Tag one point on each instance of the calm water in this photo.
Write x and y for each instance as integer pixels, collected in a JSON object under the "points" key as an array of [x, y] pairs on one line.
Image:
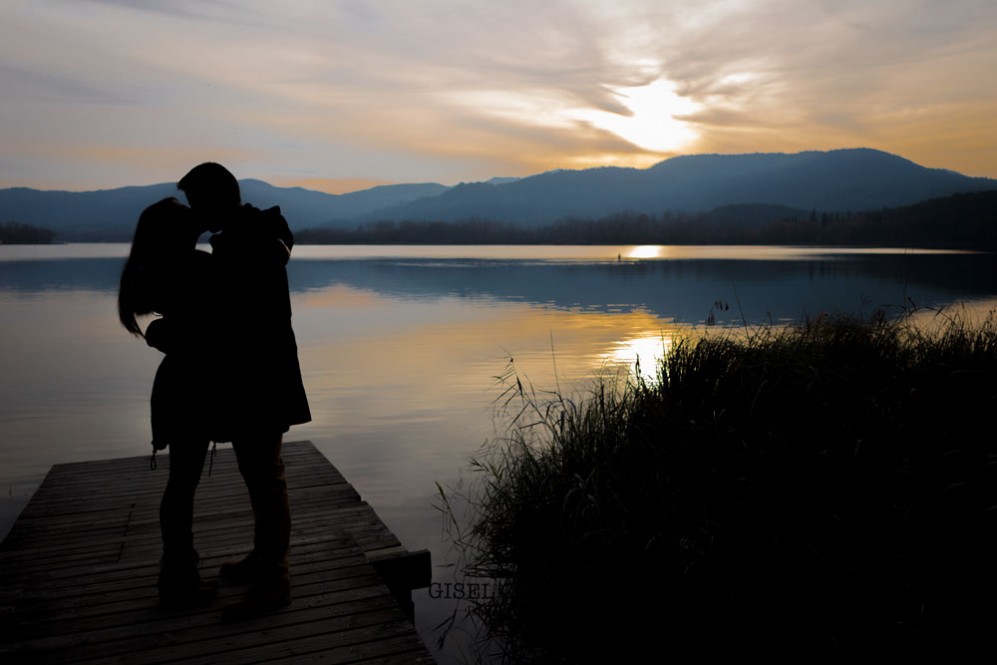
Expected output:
{"points": [[400, 346]]}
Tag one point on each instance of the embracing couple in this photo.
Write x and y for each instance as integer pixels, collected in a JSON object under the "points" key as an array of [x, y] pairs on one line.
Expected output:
{"points": [[230, 373]]}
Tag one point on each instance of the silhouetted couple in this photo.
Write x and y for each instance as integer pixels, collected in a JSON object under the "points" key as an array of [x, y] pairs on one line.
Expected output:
{"points": [[230, 373]]}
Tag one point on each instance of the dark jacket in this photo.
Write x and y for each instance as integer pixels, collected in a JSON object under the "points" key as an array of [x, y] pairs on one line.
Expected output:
{"points": [[185, 386], [256, 350]]}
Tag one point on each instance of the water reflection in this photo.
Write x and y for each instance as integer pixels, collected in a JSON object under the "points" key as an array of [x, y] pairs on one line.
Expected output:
{"points": [[682, 290], [400, 353], [682, 284]]}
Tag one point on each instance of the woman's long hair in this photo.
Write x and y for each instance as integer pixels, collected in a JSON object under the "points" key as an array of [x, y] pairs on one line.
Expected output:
{"points": [[164, 233]]}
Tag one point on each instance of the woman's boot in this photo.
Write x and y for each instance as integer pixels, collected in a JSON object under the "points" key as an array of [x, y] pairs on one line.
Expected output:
{"points": [[181, 586]]}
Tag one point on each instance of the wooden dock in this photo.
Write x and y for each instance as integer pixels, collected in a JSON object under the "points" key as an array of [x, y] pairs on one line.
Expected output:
{"points": [[78, 571]]}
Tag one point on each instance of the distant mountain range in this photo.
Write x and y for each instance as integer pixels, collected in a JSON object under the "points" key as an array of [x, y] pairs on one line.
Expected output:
{"points": [[840, 180], [112, 213], [852, 180]]}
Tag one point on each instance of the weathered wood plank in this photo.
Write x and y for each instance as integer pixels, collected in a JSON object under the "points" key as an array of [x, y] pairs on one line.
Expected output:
{"points": [[116, 641], [78, 571]]}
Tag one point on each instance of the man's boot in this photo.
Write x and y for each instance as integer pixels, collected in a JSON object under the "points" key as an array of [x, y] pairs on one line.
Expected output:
{"points": [[270, 592], [267, 567], [243, 571]]}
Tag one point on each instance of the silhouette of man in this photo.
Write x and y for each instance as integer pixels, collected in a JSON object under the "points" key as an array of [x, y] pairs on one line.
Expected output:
{"points": [[257, 361]]}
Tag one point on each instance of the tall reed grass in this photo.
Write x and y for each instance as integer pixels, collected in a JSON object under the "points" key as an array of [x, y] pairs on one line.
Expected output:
{"points": [[817, 493]]}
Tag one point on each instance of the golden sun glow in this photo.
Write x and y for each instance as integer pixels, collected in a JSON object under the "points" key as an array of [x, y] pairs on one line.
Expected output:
{"points": [[645, 252], [654, 122], [643, 354]]}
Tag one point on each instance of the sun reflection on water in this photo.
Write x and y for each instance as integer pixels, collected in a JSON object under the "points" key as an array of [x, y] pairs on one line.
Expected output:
{"points": [[645, 252], [641, 355]]}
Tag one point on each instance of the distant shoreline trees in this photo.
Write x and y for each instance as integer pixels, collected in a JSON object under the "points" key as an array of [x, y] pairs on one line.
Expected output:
{"points": [[15, 233], [958, 221]]}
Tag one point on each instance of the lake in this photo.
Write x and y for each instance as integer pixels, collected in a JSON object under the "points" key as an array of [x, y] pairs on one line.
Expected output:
{"points": [[401, 346]]}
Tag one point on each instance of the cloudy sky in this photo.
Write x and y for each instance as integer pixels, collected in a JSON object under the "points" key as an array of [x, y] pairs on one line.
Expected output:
{"points": [[343, 94]]}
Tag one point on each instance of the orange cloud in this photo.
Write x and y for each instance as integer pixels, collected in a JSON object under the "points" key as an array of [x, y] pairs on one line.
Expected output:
{"points": [[416, 92], [332, 185]]}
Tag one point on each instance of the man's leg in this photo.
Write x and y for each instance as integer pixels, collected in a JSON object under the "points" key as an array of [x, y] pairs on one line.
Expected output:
{"points": [[262, 469]]}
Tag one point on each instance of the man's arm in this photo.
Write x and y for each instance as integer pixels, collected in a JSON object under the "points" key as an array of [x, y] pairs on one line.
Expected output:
{"points": [[284, 235], [256, 236]]}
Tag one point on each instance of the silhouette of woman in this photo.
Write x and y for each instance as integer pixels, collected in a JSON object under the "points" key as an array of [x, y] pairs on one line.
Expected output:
{"points": [[165, 274]]}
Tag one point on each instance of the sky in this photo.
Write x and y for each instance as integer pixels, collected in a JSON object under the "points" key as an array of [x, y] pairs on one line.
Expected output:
{"points": [[339, 95]]}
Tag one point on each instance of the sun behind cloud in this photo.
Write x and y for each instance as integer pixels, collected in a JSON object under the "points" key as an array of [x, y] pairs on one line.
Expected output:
{"points": [[654, 122], [444, 91]]}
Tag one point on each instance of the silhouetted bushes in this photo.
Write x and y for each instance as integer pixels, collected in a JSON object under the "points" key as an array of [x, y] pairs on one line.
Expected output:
{"points": [[823, 493]]}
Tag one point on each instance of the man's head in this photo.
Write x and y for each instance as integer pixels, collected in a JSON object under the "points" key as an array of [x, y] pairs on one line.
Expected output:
{"points": [[212, 193]]}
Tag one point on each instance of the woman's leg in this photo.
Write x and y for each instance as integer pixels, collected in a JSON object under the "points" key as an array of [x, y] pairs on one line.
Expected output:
{"points": [[176, 510], [179, 580]]}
